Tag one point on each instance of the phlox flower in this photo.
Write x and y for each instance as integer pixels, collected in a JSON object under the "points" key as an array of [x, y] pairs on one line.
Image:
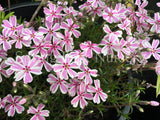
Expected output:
{"points": [[4, 39], [79, 57], [44, 63], [57, 82], [140, 4], [142, 26], [14, 104], [18, 38], [74, 86], [81, 96], [95, 3], [66, 40], [64, 65], [110, 15], [53, 12], [3, 54], [39, 48], [23, 68], [143, 15], [31, 34], [3, 102], [3, 71], [11, 25], [95, 11], [157, 68], [158, 4], [39, 113], [87, 47], [71, 26], [155, 22], [86, 5], [1, 8], [50, 31], [121, 10], [86, 74], [70, 11], [99, 94], [152, 50]]}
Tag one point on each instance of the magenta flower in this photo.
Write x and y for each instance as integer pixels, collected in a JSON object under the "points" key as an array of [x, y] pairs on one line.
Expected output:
{"points": [[4, 39], [64, 66], [50, 31], [57, 82], [98, 92], [95, 3], [71, 27], [152, 50], [79, 57], [110, 15], [66, 40], [14, 105], [86, 74], [74, 86], [53, 12], [31, 34], [3, 71], [81, 96], [11, 25], [88, 47], [155, 22], [24, 68], [39, 113], [3, 102], [158, 4]]}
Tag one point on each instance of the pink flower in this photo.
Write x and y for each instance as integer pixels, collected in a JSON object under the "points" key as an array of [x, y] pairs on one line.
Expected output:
{"points": [[70, 11], [74, 86], [157, 68], [3, 102], [110, 15], [18, 37], [86, 74], [53, 12], [14, 105], [155, 22], [152, 50], [64, 66], [95, 3], [141, 5], [86, 5], [24, 68], [39, 113], [31, 34], [1, 8], [153, 103], [158, 4], [79, 57], [57, 82], [95, 11], [98, 92], [71, 27], [81, 96], [88, 47], [4, 39], [39, 48], [143, 15], [3, 71], [66, 40], [11, 25], [50, 31]]}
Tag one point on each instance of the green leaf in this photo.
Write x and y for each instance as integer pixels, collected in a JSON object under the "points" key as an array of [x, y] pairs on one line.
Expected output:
{"points": [[8, 15], [158, 86]]}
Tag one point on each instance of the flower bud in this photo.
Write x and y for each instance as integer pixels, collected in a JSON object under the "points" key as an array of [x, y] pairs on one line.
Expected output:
{"points": [[154, 103]]}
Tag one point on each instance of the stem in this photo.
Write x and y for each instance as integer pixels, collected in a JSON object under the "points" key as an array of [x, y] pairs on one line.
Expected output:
{"points": [[9, 6]]}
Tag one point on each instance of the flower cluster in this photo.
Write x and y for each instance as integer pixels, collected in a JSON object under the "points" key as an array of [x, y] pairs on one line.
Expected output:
{"points": [[71, 71]]}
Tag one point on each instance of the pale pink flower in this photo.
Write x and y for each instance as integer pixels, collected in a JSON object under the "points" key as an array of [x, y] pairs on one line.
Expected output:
{"points": [[81, 96], [87, 47], [14, 105], [50, 31], [11, 25], [86, 74], [95, 3], [39, 113], [99, 94], [121, 10], [157, 68], [79, 57], [95, 11], [25, 67], [71, 26], [39, 48], [57, 83], [31, 34], [141, 5], [70, 11], [86, 5], [3, 71], [155, 22], [53, 12], [3, 102], [54, 48], [1, 8], [64, 65], [158, 4], [3, 53], [152, 50], [66, 40], [18, 38], [44, 63], [142, 26], [4, 39], [143, 15], [74, 86], [110, 15]]}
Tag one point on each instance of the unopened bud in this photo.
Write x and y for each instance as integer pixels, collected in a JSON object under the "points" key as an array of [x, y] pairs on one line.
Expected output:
{"points": [[14, 84], [154, 103], [22, 101]]}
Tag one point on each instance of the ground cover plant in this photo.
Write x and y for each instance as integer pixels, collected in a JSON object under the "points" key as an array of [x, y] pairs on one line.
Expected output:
{"points": [[78, 63]]}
